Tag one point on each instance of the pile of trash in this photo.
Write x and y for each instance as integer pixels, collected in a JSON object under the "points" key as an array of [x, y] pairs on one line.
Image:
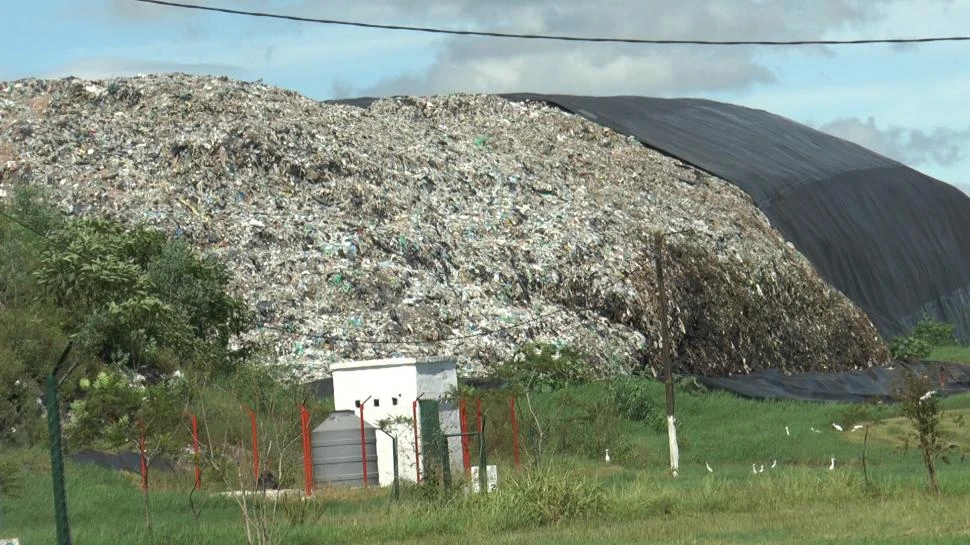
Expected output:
{"points": [[458, 225]]}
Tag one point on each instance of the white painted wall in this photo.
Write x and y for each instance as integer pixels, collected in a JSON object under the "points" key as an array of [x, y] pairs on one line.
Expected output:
{"points": [[402, 380]]}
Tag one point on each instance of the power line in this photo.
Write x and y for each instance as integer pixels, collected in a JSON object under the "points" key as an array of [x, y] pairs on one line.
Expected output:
{"points": [[562, 38], [44, 237]]}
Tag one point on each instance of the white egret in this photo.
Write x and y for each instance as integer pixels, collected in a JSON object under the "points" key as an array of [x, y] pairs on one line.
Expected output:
{"points": [[836, 426], [774, 464], [708, 466], [927, 395], [857, 427], [832, 465], [607, 456], [788, 433]]}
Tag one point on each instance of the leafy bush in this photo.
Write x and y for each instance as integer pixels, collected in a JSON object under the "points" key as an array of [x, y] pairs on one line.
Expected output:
{"points": [[933, 332], [545, 368], [129, 298], [921, 407], [115, 409], [136, 298], [921, 340]]}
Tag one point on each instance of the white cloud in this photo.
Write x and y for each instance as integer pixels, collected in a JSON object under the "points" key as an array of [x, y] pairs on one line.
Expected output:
{"points": [[494, 65], [939, 146]]}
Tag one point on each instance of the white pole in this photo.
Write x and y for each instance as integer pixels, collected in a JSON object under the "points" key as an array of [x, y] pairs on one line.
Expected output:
{"points": [[674, 451]]}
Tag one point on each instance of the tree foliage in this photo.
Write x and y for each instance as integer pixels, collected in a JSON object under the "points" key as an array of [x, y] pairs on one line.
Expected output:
{"points": [[545, 368], [133, 301]]}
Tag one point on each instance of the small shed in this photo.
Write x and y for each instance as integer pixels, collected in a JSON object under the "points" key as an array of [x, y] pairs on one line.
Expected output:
{"points": [[388, 388]]}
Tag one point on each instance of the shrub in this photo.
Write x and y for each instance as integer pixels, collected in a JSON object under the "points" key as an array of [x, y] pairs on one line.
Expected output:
{"points": [[920, 341], [548, 496], [545, 368], [921, 408], [115, 409], [631, 398], [909, 347], [933, 332]]}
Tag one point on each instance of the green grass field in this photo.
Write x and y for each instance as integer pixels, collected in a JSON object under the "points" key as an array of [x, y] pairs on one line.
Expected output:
{"points": [[799, 501], [958, 354]]}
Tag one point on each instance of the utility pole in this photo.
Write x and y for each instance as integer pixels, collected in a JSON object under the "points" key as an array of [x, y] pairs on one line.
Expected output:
{"points": [[665, 348]]}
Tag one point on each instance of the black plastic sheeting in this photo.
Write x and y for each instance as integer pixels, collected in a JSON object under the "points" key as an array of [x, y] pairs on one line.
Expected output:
{"points": [[874, 384], [895, 241]]}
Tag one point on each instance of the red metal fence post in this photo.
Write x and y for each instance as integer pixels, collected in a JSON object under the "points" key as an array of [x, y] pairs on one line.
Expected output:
{"points": [[195, 451], [252, 423], [515, 431], [463, 423], [141, 453], [417, 458]]}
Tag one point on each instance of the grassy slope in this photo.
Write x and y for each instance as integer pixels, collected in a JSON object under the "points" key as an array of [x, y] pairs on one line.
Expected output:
{"points": [[958, 354], [798, 502]]}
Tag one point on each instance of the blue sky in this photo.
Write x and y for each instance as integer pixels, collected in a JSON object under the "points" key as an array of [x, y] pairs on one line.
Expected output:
{"points": [[906, 102]]}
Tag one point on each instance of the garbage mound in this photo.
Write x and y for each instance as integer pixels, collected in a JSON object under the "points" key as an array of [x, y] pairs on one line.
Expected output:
{"points": [[462, 225]]}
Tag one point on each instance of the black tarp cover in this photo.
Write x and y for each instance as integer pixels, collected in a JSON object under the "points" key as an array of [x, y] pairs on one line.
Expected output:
{"points": [[874, 384], [893, 240]]}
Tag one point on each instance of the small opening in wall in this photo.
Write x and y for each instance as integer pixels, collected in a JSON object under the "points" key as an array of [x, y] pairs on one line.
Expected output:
{"points": [[377, 402], [393, 401], [357, 403]]}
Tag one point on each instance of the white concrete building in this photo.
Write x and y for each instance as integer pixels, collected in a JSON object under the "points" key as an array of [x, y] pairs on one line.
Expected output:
{"points": [[388, 388]]}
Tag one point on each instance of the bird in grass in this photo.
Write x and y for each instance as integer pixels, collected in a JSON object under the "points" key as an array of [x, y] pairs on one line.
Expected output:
{"points": [[788, 433], [774, 464], [857, 427], [814, 430], [754, 469], [832, 465], [708, 466], [836, 426], [761, 468], [607, 458], [927, 395]]}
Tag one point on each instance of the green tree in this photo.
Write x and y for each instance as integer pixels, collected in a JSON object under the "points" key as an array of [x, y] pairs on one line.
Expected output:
{"points": [[130, 298], [137, 299]]}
